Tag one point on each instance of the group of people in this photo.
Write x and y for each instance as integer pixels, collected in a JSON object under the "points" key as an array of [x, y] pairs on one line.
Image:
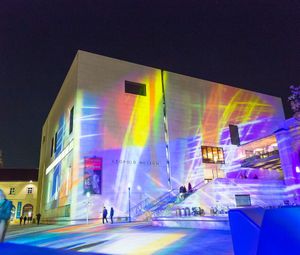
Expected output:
{"points": [[183, 191], [29, 219], [111, 215], [5, 215], [245, 175]]}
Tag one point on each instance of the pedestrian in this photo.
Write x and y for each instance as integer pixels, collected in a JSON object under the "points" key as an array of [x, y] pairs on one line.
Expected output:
{"points": [[111, 215], [181, 189], [25, 219], [21, 219], [181, 192], [190, 189], [104, 215], [38, 218], [5, 214]]}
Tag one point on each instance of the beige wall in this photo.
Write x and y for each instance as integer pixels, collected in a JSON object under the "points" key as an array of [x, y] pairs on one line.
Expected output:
{"points": [[21, 194], [57, 121]]}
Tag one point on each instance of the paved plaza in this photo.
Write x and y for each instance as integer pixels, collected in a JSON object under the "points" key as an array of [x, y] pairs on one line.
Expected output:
{"points": [[120, 238]]}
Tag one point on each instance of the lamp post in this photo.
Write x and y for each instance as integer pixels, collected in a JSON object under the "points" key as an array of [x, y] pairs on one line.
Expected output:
{"points": [[216, 160], [87, 206], [129, 216]]}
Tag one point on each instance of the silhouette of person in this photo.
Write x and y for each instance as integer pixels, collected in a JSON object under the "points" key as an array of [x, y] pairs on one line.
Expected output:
{"points": [[111, 215], [38, 218], [25, 219], [104, 215], [181, 189], [21, 219], [5, 214], [190, 189]]}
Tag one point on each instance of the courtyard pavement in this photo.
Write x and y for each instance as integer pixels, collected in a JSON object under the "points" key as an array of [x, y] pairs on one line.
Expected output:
{"points": [[121, 238]]}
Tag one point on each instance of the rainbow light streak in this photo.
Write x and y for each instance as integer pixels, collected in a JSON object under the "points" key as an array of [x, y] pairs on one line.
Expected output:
{"points": [[134, 142], [127, 132], [117, 133], [205, 119]]}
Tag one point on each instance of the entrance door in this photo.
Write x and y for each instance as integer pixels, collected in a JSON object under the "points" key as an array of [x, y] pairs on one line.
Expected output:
{"points": [[28, 210]]}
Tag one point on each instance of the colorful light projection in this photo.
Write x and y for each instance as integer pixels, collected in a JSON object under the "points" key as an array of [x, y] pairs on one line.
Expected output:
{"points": [[199, 113], [221, 193], [126, 132], [58, 174]]}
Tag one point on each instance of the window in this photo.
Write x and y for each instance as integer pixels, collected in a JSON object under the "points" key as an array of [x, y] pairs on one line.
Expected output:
{"points": [[12, 191], [71, 120], [135, 88], [52, 143], [234, 134], [212, 155], [243, 200], [55, 142], [29, 190]]}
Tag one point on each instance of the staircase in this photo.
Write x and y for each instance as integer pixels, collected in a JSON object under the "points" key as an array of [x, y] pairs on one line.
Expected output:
{"points": [[221, 193], [163, 205]]}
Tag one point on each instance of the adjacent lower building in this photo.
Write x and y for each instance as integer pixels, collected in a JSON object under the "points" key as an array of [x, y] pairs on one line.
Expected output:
{"points": [[120, 133], [20, 186]]}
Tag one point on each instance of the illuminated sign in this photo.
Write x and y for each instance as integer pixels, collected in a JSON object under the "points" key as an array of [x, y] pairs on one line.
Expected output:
{"points": [[93, 175]]}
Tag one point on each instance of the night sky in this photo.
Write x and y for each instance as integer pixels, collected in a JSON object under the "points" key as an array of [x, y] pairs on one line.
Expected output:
{"points": [[248, 44]]}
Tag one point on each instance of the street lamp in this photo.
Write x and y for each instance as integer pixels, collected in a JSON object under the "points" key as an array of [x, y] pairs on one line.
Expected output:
{"points": [[129, 216], [88, 194], [216, 160]]}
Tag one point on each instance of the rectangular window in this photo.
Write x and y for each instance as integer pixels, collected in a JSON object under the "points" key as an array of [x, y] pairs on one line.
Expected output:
{"points": [[135, 88], [71, 120], [12, 191], [212, 155], [55, 142], [52, 143], [242, 200], [234, 134], [29, 190]]}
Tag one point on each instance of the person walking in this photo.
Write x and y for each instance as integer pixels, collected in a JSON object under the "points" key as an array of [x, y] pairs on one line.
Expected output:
{"points": [[21, 219], [104, 215], [38, 218], [111, 215], [25, 219], [5, 214], [190, 189]]}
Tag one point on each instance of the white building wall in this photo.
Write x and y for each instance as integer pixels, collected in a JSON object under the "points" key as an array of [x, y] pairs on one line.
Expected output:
{"points": [[199, 113], [126, 133]]}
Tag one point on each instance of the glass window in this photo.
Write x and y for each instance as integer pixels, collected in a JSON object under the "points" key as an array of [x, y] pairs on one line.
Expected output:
{"points": [[135, 88], [12, 191], [52, 143], [55, 142], [212, 155], [71, 120], [29, 190]]}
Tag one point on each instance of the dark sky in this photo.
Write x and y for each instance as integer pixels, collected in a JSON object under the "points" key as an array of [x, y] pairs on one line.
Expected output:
{"points": [[248, 44]]}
